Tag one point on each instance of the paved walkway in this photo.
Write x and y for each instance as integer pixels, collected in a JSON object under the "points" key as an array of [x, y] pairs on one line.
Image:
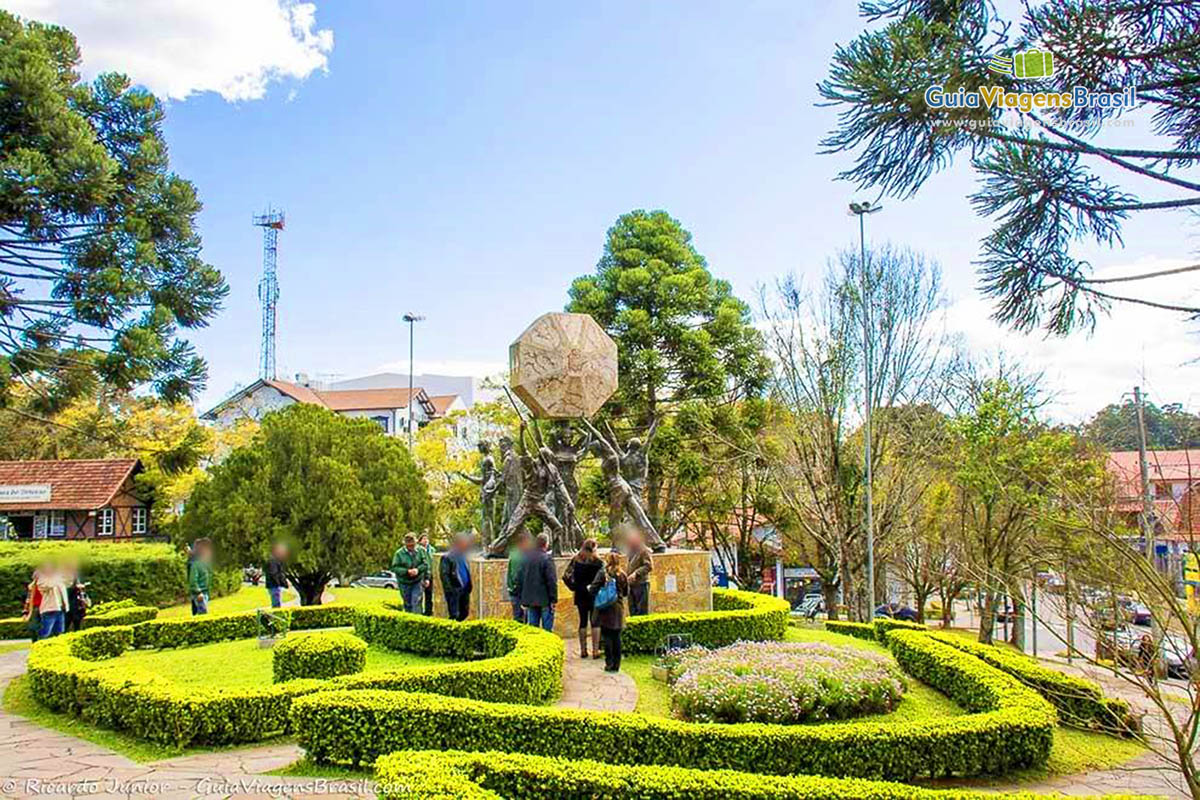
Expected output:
{"points": [[587, 685]]}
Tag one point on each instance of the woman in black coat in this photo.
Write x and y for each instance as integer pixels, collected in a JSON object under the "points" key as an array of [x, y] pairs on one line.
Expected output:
{"points": [[611, 618], [578, 577]]}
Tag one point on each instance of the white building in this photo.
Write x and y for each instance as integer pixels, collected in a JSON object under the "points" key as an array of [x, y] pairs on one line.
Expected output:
{"points": [[387, 407]]}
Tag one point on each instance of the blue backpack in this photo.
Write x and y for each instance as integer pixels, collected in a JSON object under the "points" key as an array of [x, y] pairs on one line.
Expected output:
{"points": [[607, 595]]}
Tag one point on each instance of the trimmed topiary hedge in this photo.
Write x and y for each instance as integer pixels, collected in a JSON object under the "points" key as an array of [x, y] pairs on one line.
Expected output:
{"points": [[71, 673], [1080, 702], [122, 614], [209, 628], [736, 616], [509, 776], [884, 625], [1011, 729], [318, 655], [859, 630]]}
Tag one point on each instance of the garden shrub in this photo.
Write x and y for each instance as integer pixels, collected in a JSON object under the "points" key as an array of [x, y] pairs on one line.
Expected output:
{"points": [[520, 663], [883, 625], [510, 776], [122, 612], [782, 682], [70, 673], [150, 574], [736, 616], [318, 655], [1011, 729], [1081, 703], [859, 630]]}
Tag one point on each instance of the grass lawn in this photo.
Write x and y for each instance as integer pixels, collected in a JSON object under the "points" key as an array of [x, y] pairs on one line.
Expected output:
{"points": [[243, 663], [248, 599]]}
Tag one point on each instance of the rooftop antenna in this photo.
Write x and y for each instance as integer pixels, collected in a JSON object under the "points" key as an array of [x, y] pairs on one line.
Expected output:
{"points": [[268, 289]]}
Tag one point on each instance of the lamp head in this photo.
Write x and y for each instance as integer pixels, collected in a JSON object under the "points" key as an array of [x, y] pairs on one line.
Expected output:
{"points": [[865, 207], [411, 317]]}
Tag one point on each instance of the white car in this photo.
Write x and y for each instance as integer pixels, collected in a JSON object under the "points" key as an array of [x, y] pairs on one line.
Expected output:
{"points": [[384, 579]]}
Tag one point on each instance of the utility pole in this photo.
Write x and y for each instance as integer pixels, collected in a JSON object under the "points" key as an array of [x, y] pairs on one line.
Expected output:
{"points": [[411, 319], [1147, 515], [861, 210]]}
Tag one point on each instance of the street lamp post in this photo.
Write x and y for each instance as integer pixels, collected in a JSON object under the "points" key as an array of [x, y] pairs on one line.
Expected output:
{"points": [[861, 210], [411, 319]]}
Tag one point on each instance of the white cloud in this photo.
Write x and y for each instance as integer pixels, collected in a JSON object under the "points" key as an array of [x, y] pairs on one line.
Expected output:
{"points": [[177, 48], [1133, 345]]}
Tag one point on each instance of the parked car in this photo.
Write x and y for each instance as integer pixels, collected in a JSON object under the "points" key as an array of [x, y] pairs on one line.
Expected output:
{"points": [[896, 611], [384, 579], [1178, 658], [1140, 614], [809, 606]]}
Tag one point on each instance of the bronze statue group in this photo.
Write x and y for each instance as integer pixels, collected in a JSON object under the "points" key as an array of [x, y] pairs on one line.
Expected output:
{"points": [[539, 482]]}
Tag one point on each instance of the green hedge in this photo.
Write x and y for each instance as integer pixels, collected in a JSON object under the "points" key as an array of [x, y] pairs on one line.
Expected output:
{"points": [[736, 616], [1080, 702], [209, 628], [1011, 728], [71, 673], [859, 630], [508, 776], [125, 614], [521, 664], [318, 655], [884, 625], [150, 574]]}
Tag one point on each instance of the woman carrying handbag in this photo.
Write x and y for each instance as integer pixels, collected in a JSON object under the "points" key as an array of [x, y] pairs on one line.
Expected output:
{"points": [[609, 587]]}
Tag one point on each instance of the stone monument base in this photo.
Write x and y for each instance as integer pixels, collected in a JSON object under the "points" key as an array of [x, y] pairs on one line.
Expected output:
{"points": [[681, 581]]}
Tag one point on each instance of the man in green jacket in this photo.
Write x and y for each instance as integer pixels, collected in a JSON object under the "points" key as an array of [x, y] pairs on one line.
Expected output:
{"points": [[516, 560], [411, 566], [200, 575]]}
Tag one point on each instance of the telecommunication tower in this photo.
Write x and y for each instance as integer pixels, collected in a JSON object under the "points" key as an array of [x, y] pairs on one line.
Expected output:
{"points": [[268, 289]]}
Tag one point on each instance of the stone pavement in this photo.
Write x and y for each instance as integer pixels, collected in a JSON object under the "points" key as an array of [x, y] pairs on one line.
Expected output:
{"points": [[587, 685]]}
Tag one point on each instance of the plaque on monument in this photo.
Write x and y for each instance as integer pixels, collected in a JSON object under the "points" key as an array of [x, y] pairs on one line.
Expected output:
{"points": [[564, 366]]}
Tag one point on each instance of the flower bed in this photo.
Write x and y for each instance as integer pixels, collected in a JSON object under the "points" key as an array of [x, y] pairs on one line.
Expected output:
{"points": [[1011, 728], [494, 775], [782, 682], [74, 673]]}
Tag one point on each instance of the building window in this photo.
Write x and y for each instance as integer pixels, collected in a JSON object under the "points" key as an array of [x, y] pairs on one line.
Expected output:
{"points": [[104, 522], [140, 521], [383, 423], [58, 524]]}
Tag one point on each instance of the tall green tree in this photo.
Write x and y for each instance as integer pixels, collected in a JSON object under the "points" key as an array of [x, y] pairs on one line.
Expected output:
{"points": [[340, 491], [1170, 427], [99, 255], [681, 333], [1057, 177]]}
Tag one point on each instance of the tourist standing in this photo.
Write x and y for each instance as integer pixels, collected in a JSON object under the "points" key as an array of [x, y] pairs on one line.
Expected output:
{"points": [[537, 585], [77, 598], [411, 570], [54, 603], [512, 578], [455, 573], [578, 577], [33, 610], [610, 611], [424, 546], [200, 575], [276, 573], [640, 567]]}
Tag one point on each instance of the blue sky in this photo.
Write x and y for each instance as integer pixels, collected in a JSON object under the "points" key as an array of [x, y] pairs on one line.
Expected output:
{"points": [[464, 159]]}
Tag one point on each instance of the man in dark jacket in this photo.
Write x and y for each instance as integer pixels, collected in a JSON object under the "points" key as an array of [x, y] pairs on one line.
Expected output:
{"points": [[640, 567], [275, 575], [455, 573], [537, 585], [512, 576]]}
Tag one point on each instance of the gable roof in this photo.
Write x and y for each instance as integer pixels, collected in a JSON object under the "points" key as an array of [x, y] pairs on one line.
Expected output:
{"points": [[339, 400], [74, 485], [441, 403]]}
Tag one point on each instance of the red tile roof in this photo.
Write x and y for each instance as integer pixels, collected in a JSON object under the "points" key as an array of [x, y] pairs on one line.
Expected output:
{"points": [[74, 485], [1176, 518], [363, 399], [441, 403], [301, 394]]}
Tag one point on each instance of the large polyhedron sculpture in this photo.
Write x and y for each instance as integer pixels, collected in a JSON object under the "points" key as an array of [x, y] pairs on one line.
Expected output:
{"points": [[564, 366]]}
